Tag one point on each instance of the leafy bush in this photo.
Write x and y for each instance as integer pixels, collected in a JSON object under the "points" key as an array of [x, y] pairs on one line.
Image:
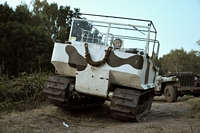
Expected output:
{"points": [[22, 93]]}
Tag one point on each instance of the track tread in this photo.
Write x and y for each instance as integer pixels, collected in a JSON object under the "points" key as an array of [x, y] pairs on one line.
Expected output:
{"points": [[57, 90], [129, 105]]}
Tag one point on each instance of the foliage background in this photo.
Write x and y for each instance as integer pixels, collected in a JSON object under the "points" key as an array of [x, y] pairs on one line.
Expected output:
{"points": [[26, 45], [27, 37], [179, 60]]}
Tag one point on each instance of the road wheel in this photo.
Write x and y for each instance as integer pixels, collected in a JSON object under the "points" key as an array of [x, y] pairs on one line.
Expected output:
{"points": [[197, 94], [170, 94]]}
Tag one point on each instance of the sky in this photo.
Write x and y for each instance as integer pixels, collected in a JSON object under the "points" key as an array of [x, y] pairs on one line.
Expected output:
{"points": [[177, 21]]}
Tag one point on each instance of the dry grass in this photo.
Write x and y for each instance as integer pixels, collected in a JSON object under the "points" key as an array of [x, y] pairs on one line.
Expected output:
{"points": [[48, 118], [195, 102], [37, 120]]}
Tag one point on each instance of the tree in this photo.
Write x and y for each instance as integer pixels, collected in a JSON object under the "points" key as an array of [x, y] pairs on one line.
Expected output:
{"points": [[198, 42], [63, 22], [51, 14], [194, 61], [24, 46], [179, 60], [27, 37]]}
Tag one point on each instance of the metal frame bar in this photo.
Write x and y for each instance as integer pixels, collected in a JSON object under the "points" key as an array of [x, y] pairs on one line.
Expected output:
{"points": [[149, 31], [150, 22], [143, 20]]}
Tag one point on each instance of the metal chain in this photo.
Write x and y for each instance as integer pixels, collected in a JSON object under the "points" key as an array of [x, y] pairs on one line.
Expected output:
{"points": [[96, 63]]}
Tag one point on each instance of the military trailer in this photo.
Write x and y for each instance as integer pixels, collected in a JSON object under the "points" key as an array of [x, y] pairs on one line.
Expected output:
{"points": [[106, 58], [177, 84]]}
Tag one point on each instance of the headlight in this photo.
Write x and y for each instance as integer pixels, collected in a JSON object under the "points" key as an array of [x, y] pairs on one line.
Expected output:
{"points": [[117, 43]]}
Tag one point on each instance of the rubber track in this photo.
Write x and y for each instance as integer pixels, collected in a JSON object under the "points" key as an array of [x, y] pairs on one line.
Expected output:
{"points": [[57, 91], [130, 105]]}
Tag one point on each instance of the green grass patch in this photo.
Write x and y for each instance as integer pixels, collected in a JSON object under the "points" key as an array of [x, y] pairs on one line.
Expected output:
{"points": [[21, 93]]}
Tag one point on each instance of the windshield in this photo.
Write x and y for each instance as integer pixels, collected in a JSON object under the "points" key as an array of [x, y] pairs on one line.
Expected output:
{"points": [[104, 33]]}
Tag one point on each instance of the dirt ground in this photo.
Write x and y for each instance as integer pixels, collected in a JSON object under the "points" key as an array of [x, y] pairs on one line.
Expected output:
{"points": [[163, 118]]}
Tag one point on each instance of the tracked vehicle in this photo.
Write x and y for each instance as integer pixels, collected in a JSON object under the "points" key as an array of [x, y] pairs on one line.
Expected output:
{"points": [[106, 58]]}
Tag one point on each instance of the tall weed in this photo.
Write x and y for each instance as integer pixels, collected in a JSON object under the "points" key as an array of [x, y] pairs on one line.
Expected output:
{"points": [[22, 93]]}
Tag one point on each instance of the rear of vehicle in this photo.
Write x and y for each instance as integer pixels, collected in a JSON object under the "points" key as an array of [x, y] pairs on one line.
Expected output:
{"points": [[106, 60]]}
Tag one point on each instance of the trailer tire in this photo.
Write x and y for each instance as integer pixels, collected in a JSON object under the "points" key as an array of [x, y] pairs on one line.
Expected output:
{"points": [[170, 94]]}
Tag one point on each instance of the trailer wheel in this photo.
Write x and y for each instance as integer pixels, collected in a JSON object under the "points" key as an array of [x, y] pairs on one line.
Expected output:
{"points": [[170, 94]]}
